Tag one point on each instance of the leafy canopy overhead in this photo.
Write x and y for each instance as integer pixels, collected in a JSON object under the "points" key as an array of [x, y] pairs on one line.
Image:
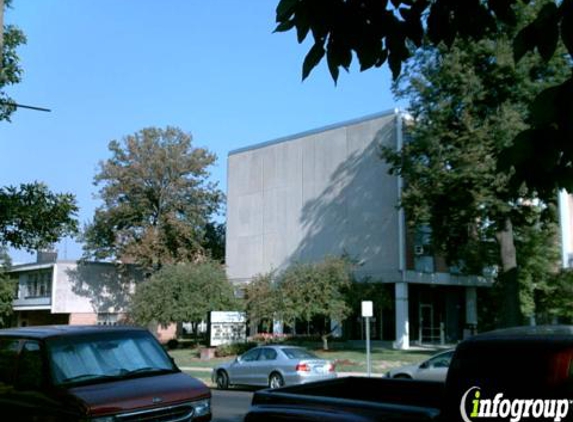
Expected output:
{"points": [[32, 217], [380, 31], [157, 200], [10, 69]]}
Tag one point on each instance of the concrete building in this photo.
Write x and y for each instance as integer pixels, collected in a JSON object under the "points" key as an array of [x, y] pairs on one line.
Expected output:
{"points": [[52, 291], [327, 192]]}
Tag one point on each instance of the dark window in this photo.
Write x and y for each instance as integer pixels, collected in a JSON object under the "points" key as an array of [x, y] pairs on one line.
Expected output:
{"points": [[296, 353], [8, 355], [30, 367], [268, 354], [251, 355]]}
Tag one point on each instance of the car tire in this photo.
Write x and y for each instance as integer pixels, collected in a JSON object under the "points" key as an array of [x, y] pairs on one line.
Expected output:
{"points": [[222, 380], [276, 380]]}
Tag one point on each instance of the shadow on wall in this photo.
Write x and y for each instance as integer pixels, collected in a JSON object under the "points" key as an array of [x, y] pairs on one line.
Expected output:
{"points": [[356, 213], [108, 286]]}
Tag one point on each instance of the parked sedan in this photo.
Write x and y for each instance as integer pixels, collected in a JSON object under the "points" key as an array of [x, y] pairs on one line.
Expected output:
{"points": [[433, 369], [273, 366]]}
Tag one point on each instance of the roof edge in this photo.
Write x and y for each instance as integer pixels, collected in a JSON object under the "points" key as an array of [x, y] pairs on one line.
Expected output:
{"points": [[315, 131]]}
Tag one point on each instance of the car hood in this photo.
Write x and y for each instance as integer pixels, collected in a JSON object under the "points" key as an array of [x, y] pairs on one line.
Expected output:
{"points": [[406, 369], [139, 393]]}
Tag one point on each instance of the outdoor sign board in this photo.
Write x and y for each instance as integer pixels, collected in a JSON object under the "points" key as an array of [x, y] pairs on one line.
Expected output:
{"points": [[227, 327]]}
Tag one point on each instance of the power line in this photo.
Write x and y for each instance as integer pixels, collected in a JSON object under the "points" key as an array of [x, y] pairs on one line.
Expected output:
{"points": [[25, 106]]}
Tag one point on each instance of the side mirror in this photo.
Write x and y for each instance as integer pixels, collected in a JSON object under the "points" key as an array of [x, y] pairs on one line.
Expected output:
{"points": [[425, 365], [238, 359]]}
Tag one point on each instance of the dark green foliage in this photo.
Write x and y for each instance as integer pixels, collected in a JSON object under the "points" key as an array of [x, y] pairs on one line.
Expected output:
{"points": [[214, 240], [158, 201], [307, 290], [234, 349], [468, 103], [376, 32], [32, 217], [7, 290], [10, 70], [183, 293]]}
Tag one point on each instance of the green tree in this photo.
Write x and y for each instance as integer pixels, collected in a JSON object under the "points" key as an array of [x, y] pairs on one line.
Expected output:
{"points": [[308, 290], [376, 32], [10, 69], [262, 300], [7, 290], [32, 217], [214, 240], [469, 102], [554, 302], [183, 293], [157, 200]]}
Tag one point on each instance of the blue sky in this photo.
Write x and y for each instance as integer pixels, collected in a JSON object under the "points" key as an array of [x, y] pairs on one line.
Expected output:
{"points": [[108, 68]]}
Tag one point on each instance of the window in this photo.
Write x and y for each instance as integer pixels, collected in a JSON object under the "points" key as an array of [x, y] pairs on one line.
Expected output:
{"points": [[30, 367], [296, 353], [38, 284], [107, 319], [8, 356], [251, 355], [268, 354], [97, 357]]}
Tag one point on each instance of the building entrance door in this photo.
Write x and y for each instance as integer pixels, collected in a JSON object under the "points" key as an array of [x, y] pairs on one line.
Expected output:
{"points": [[429, 326]]}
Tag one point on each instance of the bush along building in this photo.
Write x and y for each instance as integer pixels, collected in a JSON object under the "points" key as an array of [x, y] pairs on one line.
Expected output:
{"points": [[328, 192]]}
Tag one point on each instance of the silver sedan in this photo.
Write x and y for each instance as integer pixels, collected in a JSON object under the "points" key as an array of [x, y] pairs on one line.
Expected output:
{"points": [[273, 367], [433, 369]]}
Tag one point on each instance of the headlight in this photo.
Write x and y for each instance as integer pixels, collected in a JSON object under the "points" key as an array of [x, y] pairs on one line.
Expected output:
{"points": [[202, 407]]}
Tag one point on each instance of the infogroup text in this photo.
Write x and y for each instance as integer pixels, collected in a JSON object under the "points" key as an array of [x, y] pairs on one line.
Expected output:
{"points": [[512, 409]]}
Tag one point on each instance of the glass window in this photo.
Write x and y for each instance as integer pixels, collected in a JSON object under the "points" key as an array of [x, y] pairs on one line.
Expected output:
{"points": [[30, 367], [107, 319], [268, 354], [297, 353], [251, 355], [99, 356], [8, 356], [442, 361]]}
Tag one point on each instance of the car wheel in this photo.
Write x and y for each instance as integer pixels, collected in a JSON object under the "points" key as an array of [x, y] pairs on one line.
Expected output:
{"points": [[403, 376], [276, 380], [222, 380]]}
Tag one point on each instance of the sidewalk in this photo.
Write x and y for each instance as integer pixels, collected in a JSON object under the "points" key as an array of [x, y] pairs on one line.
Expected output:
{"points": [[340, 374]]}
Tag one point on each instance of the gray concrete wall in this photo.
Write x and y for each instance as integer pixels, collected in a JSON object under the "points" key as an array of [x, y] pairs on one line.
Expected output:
{"points": [[304, 197], [91, 287]]}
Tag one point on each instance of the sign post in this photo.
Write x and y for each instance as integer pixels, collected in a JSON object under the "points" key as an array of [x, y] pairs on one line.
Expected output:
{"points": [[367, 314]]}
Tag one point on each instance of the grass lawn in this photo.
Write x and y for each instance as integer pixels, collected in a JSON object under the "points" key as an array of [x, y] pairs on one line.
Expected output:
{"points": [[347, 358]]}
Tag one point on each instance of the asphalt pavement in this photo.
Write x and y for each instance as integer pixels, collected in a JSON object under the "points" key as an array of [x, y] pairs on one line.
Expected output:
{"points": [[230, 405]]}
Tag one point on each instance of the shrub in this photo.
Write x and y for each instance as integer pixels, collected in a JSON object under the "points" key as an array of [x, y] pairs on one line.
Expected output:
{"points": [[234, 349]]}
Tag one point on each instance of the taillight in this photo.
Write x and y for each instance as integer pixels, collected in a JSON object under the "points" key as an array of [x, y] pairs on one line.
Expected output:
{"points": [[331, 367], [302, 367]]}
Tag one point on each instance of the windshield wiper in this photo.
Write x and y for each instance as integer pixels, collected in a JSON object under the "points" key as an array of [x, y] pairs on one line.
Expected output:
{"points": [[86, 377], [149, 369]]}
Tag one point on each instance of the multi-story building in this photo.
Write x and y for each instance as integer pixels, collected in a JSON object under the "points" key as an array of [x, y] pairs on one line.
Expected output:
{"points": [[52, 291], [328, 192]]}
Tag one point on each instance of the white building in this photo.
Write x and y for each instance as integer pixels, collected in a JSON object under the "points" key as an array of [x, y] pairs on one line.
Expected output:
{"points": [[328, 192]]}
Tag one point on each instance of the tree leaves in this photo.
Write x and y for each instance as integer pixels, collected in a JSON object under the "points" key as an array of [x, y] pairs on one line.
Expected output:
{"points": [[33, 217], [157, 200]]}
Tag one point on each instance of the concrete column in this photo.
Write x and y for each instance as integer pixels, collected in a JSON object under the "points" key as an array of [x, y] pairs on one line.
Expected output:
{"points": [[471, 306], [402, 322], [565, 223], [278, 326]]}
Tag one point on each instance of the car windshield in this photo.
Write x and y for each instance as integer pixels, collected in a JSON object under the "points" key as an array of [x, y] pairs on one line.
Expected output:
{"points": [[99, 357], [294, 353]]}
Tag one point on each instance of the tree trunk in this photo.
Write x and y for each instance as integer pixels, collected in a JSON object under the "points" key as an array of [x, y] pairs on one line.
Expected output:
{"points": [[508, 279]]}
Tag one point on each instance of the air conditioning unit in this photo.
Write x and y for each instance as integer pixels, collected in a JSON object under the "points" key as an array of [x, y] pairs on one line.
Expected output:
{"points": [[418, 250]]}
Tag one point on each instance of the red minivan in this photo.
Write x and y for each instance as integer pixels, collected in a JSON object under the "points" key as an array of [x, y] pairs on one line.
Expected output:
{"points": [[94, 374]]}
